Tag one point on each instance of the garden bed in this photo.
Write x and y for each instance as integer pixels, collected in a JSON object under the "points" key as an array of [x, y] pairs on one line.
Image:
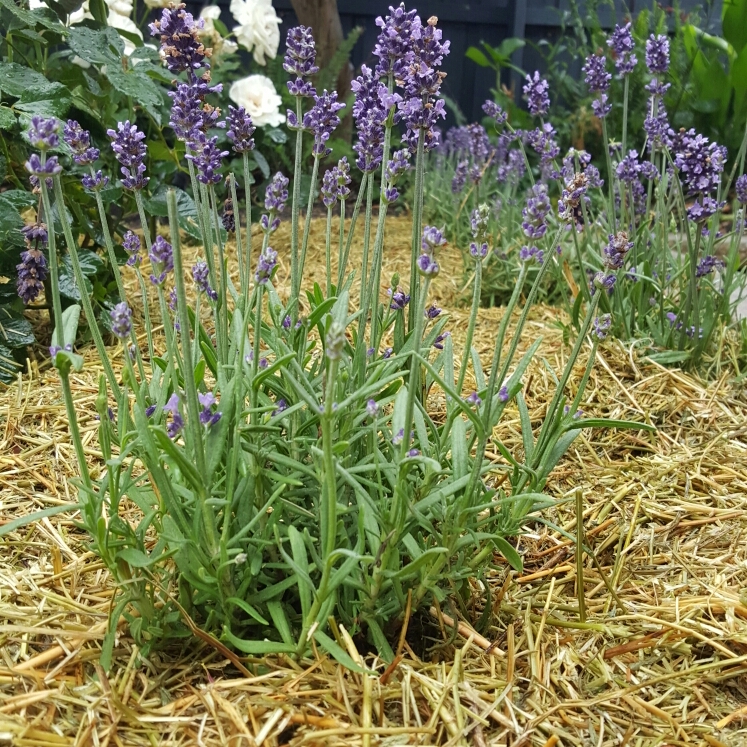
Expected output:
{"points": [[664, 514]]}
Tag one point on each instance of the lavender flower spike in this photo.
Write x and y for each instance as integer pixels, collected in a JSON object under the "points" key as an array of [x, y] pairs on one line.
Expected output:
{"points": [[43, 133], [129, 149], [180, 42], [240, 129], [207, 157], [121, 316], [79, 141], [622, 44], [395, 42], [266, 265], [322, 120], [207, 415], [177, 421], [132, 246], [300, 54], [536, 93], [741, 189], [162, 258], [32, 269], [200, 275], [334, 183], [657, 54], [276, 194]]}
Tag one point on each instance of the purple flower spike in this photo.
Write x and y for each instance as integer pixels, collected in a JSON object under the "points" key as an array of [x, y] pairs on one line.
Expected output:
{"points": [[616, 250], [370, 115], [629, 168], [473, 399], [529, 253], [321, 120], [32, 269], [427, 266], [741, 189], [603, 282], [79, 141], [622, 44], [43, 133], [206, 157], [460, 177], [493, 110], [132, 246], [334, 183], [208, 417], [240, 129], [536, 93], [596, 76], [707, 265], [432, 239], [372, 409], [121, 316], [176, 423], [200, 275], [503, 393], [95, 182], [300, 53], [602, 326], [129, 149], [276, 194], [699, 161], [35, 168], [535, 213], [432, 312], [189, 112], [657, 54], [161, 256], [266, 265], [180, 42], [395, 41]]}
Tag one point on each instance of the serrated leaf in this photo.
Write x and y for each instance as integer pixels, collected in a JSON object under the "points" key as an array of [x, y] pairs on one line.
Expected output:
{"points": [[96, 46], [15, 79], [52, 101], [139, 87], [33, 18]]}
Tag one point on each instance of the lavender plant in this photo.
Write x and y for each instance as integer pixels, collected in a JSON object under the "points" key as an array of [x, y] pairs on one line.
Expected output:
{"points": [[282, 451]]}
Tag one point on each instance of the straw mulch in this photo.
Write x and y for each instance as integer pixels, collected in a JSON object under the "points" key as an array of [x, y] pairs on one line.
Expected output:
{"points": [[666, 664]]}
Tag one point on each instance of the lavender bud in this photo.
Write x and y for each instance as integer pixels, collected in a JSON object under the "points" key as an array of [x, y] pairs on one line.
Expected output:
{"points": [[601, 326], [176, 423], [94, 182], [321, 120], [207, 415], [741, 189], [300, 54], [131, 244], [276, 194], [372, 409], [473, 399], [536, 93], [493, 110], [266, 263], [161, 256], [335, 341], [43, 133], [240, 129], [657, 54]]}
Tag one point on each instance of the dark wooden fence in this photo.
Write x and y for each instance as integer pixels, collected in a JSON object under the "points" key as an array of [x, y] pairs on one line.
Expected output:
{"points": [[467, 22]]}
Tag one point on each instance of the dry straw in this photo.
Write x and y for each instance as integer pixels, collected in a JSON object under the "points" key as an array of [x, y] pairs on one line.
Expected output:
{"points": [[665, 520]]}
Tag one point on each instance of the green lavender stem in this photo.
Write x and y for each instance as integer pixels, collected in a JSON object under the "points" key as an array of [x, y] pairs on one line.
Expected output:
{"points": [[72, 418], [54, 271], [296, 205], [85, 300]]}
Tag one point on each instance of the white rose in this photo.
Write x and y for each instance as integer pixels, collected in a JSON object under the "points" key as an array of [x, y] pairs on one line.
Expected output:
{"points": [[157, 3], [258, 96], [259, 28]]}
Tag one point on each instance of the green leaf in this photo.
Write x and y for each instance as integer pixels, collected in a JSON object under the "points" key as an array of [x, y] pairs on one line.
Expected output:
{"points": [[264, 167], [15, 329], [412, 568], [52, 101], [136, 558], [186, 467], [277, 613], [734, 23], [508, 46], [7, 118], [185, 205], [10, 220], [19, 198], [97, 46], [341, 656], [22, 521], [474, 54], [139, 87], [298, 549], [610, 423], [32, 18], [258, 648], [241, 604], [15, 79], [459, 455], [509, 552]]}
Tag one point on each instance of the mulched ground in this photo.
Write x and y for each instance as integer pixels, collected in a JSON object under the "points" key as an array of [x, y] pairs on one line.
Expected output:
{"points": [[664, 664]]}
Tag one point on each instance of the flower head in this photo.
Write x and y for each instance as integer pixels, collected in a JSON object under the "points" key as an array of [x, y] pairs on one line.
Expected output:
{"points": [[707, 265], [596, 76], [43, 133], [622, 44], [266, 264], [372, 408], [699, 161], [334, 341], [473, 399], [536, 91], [334, 183], [176, 423], [370, 115], [94, 182], [35, 167], [741, 189], [616, 250], [200, 274], [399, 299], [534, 223], [206, 157], [322, 120], [276, 194], [208, 416], [32, 269], [240, 129], [493, 110], [602, 326], [79, 141], [529, 253], [121, 316], [300, 53], [132, 246], [394, 44], [129, 149], [161, 256], [657, 54], [180, 43]]}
